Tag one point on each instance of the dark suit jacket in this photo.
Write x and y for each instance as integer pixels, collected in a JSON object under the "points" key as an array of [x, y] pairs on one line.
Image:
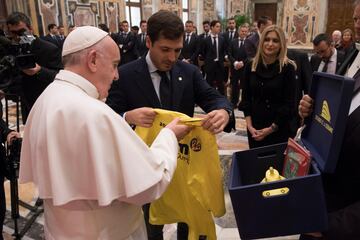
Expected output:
{"points": [[57, 41], [237, 54], [48, 56], [251, 45], [315, 61], [226, 36], [209, 53], [342, 201], [141, 45], [350, 57], [303, 75], [128, 50], [135, 89], [190, 50]]}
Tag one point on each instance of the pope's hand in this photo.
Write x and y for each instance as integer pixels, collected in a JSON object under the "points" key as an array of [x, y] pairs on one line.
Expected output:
{"points": [[180, 130], [143, 117]]}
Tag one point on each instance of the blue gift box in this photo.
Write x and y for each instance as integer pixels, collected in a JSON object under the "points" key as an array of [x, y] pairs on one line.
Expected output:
{"points": [[296, 205]]}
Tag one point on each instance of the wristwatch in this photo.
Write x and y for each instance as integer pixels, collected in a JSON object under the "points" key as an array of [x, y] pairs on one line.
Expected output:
{"points": [[230, 112], [274, 127]]}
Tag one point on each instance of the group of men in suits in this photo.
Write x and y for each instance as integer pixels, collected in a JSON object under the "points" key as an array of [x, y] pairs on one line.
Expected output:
{"points": [[132, 46], [54, 35]]}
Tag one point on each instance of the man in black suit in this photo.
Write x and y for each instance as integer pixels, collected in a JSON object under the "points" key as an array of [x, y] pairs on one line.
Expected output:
{"points": [[141, 39], [252, 42], [126, 41], [229, 35], [160, 80], [47, 57], [189, 53], [201, 39], [327, 58], [342, 201], [53, 36], [213, 51], [303, 80], [238, 59]]}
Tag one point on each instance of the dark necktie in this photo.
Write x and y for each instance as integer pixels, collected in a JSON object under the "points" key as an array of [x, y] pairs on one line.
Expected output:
{"points": [[215, 48], [165, 91], [231, 35], [325, 66], [241, 43], [143, 37], [187, 38]]}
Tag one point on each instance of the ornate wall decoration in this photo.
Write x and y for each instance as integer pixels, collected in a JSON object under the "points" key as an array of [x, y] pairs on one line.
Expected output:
{"points": [[83, 12], [300, 22], [236, 8], [172, 5], [111, 15], [209, 9], [48, 13]]}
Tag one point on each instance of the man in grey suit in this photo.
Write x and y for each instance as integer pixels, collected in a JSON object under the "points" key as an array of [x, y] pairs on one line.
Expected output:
{"points": [[160, 80]]}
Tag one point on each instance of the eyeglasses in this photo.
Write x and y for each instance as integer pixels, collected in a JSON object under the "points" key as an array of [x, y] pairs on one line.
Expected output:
{"points": [[19, 32]]}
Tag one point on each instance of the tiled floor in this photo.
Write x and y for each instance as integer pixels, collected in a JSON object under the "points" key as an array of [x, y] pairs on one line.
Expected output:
{"points": [[225, 226]]}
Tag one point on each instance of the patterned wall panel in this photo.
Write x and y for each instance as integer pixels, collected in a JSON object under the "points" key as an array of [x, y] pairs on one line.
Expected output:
{"points": [[301, 22], [83, 12], [48, 13], [209, 10], [236, 7], [111, 10], [147, 7], [174, 6]]}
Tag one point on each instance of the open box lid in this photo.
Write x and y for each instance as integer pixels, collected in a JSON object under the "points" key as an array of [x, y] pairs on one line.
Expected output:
{"points": [[325, 128]]}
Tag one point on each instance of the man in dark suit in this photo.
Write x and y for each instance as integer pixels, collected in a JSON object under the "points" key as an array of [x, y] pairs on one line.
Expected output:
{"points": [[229, 35], [303, 80], [160, 80], [141, 39], [53, 36], [189, 53], [126, 41], [327, 58], [252, 42], [342, 201], [238, 59], [201, 39], [47, 62], [213, 51]]}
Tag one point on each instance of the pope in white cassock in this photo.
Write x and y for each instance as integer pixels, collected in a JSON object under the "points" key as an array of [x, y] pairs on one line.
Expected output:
{"points": [[92, 171]]}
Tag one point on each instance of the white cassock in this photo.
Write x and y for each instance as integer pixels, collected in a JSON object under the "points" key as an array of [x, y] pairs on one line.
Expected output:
{"points": [[91, 169]]}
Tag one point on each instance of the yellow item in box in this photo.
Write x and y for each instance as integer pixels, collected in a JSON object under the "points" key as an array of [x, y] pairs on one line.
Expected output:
{"points": [[272, 175]]}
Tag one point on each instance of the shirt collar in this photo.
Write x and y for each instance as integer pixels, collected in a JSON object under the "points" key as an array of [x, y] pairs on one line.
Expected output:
{"points": [[150, 64], [78, 81], [333, 57]]}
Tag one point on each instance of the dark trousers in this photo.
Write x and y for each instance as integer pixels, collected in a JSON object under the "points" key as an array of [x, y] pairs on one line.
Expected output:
{"points": [[235, 90], [155, 232], [215, 77]]}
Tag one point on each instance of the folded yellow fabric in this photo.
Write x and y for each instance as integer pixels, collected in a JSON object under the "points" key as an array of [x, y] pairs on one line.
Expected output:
{"points": [[195, 193]]}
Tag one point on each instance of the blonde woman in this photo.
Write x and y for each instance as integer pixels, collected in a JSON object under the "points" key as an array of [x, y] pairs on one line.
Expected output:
{"points": [[269, 91]]}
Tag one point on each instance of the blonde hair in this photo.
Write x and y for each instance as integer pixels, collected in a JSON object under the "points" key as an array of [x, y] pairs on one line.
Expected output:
{"points": [[282, 55]]}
